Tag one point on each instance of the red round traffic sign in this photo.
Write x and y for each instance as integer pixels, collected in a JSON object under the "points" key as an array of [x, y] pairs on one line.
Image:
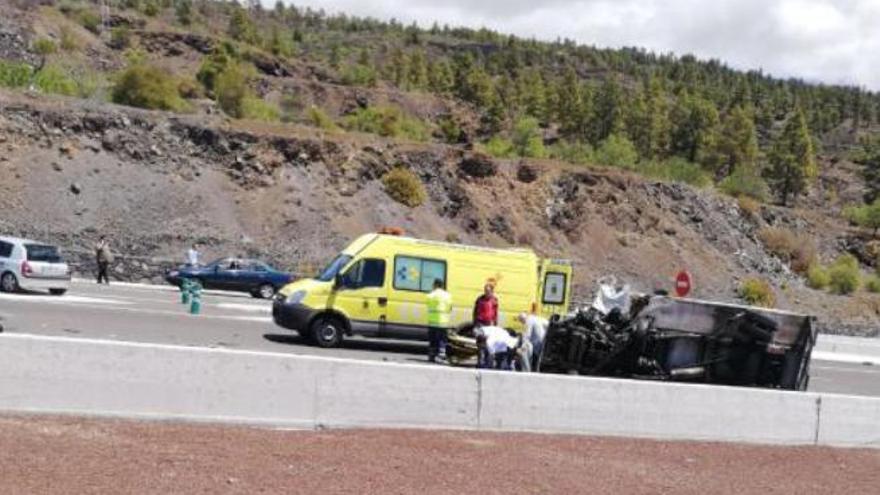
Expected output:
{"points": [[683, 284]]}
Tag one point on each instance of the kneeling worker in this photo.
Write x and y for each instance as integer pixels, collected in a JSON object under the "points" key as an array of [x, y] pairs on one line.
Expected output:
{"points": [[534, 333], [439, 304]]}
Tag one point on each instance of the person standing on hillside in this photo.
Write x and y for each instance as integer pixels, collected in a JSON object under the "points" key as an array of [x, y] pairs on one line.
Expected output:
{"points": [[439, 304], [104, 257], [192, 255], [485, 315]]}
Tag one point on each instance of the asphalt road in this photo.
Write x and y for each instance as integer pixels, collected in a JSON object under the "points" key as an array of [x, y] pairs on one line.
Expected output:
{"points": [[237, 321]]}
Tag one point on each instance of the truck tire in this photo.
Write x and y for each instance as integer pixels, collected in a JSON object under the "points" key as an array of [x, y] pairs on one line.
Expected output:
{"points": [[327, 332]]}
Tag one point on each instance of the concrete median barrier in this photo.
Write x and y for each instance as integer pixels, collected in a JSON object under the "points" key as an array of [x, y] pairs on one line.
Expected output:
{"points": [[80, 376], [355, 393], [646, 409], [849, 421], [46, 374]]}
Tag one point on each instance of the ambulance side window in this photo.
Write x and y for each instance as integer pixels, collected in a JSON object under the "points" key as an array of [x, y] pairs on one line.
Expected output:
{"points": [[554, 288], [417, 274]]}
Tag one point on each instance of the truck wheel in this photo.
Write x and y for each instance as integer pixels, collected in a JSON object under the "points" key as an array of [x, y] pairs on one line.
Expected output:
{"points": [[8, 283], [327, 332], [57, 292]]}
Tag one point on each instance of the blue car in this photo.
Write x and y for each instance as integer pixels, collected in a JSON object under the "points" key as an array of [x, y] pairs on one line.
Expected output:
{"points": [[234, 274]]}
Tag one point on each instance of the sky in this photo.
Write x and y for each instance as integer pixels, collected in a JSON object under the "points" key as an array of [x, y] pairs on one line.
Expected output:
{"points": [[831, 41]]}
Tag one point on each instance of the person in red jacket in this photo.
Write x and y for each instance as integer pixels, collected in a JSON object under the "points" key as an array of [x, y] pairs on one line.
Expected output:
{"points": [[485, 315], [486, 308]]}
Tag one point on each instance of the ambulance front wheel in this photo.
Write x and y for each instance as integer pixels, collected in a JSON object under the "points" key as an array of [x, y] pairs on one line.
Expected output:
{"points": [[327, 332]]}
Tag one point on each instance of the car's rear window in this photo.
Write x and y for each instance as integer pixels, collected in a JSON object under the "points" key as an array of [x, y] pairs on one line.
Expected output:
{"points": [[39, 252]]}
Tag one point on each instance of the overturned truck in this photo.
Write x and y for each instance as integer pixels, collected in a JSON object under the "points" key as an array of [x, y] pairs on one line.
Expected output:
{"points": [[664, 338]]}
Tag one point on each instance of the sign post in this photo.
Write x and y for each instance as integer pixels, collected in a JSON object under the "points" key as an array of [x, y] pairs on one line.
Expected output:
{"points": [[683, 284]]}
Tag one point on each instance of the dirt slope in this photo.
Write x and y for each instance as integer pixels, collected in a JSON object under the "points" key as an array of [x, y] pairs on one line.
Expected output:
{"points": [[155, 183]]}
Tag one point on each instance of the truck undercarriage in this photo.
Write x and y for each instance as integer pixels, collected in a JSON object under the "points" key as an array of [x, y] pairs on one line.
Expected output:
{"points": [[663, 338]]}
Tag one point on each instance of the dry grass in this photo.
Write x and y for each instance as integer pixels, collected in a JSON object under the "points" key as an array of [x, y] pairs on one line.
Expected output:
{"points": [[750, 207], [798, 250]]}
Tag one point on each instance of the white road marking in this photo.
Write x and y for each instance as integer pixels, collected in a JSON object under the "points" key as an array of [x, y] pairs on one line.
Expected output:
{"points": [[844, 370], [844, 358], [155, 287], [66, 299], [245, 307]]}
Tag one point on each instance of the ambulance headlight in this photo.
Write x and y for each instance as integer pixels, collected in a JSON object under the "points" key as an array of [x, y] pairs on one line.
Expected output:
{"points": [[296, 297]]}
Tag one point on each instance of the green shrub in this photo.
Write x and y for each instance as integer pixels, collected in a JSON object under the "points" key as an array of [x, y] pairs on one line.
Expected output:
{"points": [[499, 147], [183, 10], [90, 20], [818, 277], [844, 276], [677, 170], [386, 121], [15, 74], [757, 292], [69, 42], [799, 251], [147, 86], [151, 8], [257, 109], [574, 152], [45, 46], [120, 38], [359, 75], [866, 216], [53, 79], [231, 90], [526, 138], [214, 64], [450, 129], [617, 151], [404, 187], [320, 119], [872, 284], [744, 182]]}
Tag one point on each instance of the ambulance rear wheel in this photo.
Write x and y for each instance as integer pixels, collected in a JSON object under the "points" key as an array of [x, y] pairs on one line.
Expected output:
{"points": [[327, 332]]}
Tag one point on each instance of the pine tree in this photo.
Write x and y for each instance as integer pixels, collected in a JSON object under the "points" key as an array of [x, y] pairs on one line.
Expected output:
{"points": [[638, 125], [869, 159], [792, 158], [608, 111], [532, 94], [495, 114], [660, 129], [567, 102], [440, 76], [695, 130], [738, 143], [183, 12], [241, 26], [418, 70], [399, 69]]}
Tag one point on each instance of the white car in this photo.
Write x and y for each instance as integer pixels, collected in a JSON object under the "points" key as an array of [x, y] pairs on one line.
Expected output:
{"points": [[32, 266]]}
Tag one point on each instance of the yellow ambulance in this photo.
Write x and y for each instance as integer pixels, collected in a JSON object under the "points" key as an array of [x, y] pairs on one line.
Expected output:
{"points": [[377, 287]]}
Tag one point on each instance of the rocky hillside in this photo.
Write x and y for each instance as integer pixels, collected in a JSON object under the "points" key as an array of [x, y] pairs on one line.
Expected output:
{"points": [[294, 188], [155, 182]]}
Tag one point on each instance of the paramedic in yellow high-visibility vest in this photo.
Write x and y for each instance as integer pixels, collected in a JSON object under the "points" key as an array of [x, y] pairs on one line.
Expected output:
{"points": [[439, 304]]}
